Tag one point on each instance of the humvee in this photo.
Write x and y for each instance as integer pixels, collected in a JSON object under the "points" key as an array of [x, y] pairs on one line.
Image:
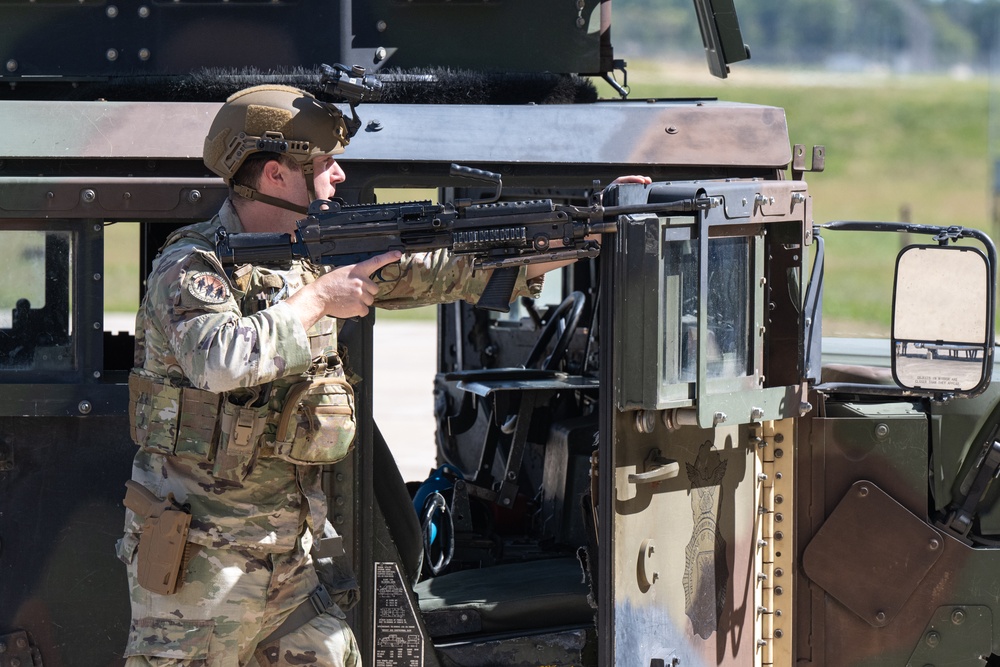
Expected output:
{"points": [[660, 463]]}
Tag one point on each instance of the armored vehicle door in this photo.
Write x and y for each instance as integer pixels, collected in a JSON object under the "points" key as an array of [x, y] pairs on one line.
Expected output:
{"points": [[702, 359]]}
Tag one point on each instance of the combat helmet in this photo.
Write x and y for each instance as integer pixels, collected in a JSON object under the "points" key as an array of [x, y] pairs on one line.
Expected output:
{"points": [[275, 119]]}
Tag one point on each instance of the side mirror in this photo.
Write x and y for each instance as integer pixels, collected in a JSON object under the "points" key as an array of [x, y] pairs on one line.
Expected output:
{"points": [[942, 319]]}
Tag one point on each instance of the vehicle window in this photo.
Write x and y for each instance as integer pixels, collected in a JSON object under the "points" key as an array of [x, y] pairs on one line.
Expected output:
{"points": [[35, 300]]}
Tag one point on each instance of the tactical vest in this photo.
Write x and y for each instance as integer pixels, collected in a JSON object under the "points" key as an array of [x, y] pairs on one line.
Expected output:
{"points": [[306, 419]]}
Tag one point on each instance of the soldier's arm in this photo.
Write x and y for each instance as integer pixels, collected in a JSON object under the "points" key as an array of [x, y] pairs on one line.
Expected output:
{"points": [[218, 349]]}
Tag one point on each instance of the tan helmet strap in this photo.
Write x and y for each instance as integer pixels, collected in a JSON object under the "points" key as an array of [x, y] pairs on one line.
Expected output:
{"points": [[253, 195]]}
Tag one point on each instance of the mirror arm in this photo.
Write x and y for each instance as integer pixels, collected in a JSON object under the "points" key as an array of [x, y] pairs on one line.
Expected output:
{"points": [[942, 235]]}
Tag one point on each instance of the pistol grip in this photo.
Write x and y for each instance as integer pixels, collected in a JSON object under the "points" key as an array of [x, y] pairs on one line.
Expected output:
{"points": [[499, 288]]}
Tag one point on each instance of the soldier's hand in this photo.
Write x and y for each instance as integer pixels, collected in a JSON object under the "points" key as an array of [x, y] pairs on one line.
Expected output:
{"points": [[345, 292], [645, 180]]}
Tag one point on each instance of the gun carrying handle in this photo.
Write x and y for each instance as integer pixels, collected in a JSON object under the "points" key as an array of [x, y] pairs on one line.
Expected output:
{"points": [[499, 288]]}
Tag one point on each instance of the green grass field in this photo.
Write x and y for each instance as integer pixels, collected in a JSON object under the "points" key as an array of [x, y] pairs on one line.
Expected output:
{"points": [[915, 147]]}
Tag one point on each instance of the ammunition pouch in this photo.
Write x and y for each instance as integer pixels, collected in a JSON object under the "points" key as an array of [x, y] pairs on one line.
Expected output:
{"points": [[317, 423], [172, 420], [239, 432]]}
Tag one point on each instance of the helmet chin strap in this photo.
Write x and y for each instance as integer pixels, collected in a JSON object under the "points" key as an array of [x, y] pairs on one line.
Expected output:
{"points": [[253, 195]]}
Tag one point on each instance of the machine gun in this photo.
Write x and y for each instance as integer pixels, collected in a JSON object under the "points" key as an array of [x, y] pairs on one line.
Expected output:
{"points": [[500, 236]]}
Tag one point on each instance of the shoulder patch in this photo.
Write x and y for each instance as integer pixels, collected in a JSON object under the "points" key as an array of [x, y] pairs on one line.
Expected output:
{"points": [[208, 287]]}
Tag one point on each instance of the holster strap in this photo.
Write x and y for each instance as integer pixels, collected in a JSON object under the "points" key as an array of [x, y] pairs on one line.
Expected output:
{"points": [[317, 603], [328, 547]]}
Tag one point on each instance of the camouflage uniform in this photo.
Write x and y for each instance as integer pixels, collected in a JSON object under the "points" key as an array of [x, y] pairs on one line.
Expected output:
{"points": [[210, 351]]}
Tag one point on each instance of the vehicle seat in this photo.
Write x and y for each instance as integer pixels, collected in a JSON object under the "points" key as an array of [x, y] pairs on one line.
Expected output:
{"points": [[506, 598], [530, 595]]}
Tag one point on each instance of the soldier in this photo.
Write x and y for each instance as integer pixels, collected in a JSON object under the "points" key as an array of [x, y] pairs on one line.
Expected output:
{"points": [[238, 398]]}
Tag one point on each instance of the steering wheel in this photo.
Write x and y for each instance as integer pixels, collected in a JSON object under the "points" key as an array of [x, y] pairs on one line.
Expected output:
{"points": [[567, 315]]}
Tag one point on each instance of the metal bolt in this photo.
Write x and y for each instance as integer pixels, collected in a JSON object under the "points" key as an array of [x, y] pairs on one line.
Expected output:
{"points": [[84, 407], [88, 196], [761, 576], [22, 642], [798, 197], [932, 639], [97, 375], [111, 11], [761, 642], [144, 54], [778, 634], [719, 418], [194, 196], [339, 477], [97, 276], [779, 438], [756, 414], [98, 227], [933, 544], [881, 430], [761, 477], [778, 453], [97, 326], [805, 407], [779, 572], [381, 26], [144, 12], [11, 65], [880, 616], [671, 130], [778, 499], [958, 616], [779, 535], [111, 55], [778, 518], [338, 519], [863, 491], [778, 590]]}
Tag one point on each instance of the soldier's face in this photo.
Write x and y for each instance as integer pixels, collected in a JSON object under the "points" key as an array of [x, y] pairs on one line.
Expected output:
{"points": [[326, 175]]}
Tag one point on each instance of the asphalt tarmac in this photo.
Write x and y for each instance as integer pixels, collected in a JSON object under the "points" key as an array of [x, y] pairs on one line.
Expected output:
{"points": [[404, 366]]}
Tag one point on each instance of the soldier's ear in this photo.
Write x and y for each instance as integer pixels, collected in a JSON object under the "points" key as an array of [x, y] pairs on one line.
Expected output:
{"points": [[274, 171]]}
